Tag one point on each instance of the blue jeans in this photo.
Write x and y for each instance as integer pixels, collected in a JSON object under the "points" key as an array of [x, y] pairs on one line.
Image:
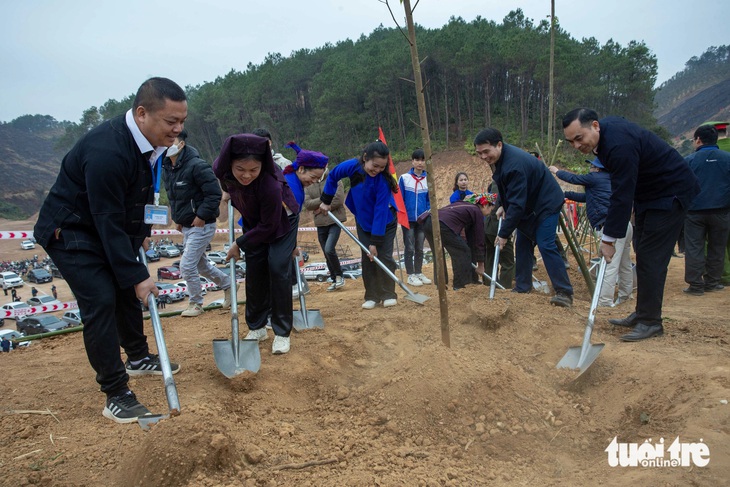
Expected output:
{"points": [[554, 265], [194, 262], [413, 242]]}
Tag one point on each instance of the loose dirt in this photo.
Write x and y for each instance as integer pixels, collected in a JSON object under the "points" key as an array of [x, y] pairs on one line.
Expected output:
{"points": [[376, 398]]}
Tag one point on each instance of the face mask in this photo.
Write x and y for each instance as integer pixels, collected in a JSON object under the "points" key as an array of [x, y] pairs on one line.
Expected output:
{"points": [[173, 151]]}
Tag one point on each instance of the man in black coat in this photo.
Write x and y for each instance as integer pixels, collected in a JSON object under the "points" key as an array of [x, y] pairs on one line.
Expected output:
{"points": [[530, 201], [92, 225], [651, 176]]}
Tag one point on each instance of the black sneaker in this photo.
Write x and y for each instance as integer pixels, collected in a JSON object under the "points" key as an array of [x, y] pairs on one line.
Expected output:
{"points": [[124, 408], [563, 300], [150, 365], [694, 291]]}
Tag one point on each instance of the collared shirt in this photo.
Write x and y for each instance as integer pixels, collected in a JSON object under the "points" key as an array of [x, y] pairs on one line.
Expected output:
{"points": [[142, 142]]}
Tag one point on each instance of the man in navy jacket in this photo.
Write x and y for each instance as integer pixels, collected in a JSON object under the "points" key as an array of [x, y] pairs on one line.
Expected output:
{"points": [[708, 219], [530, 201], [92, 226], [651, 176]]}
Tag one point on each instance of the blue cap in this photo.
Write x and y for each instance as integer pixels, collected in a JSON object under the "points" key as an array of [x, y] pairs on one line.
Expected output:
{"points": [[596, 163]]}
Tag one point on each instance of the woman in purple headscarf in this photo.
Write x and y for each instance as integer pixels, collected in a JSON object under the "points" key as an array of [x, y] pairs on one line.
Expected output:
{"points": [[270, 211]]}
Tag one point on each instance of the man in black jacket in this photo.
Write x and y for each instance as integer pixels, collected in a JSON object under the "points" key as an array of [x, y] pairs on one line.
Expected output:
{"points": [[651, 176], [194, 195], [708, 219], [92, 226], [530, 200]]}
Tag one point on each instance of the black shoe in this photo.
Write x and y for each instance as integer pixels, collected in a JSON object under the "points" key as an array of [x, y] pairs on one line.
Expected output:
{"points": [[694, 291], [715, 287], [642, 331], [562, 299], [515, 290], [150, 365], [124, 408], [627, 322]]}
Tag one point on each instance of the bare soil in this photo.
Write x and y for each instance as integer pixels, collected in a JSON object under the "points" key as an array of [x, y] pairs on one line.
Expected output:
{"points": [[377, 398]]}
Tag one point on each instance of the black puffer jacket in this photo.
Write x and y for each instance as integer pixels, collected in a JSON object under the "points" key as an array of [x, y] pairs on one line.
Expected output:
{"points": [[192, 188]]}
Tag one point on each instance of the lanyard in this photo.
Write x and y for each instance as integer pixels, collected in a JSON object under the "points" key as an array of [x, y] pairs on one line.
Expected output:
{"points": [[156, 178]]}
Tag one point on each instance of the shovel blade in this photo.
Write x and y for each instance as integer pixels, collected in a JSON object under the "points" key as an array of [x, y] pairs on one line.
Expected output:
{"points": [[572, 358], [417, 298], [306, 321], [146, 422], [230, 365]]}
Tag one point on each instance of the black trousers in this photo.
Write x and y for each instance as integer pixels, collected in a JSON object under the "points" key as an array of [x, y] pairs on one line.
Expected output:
{"points": [[459, 252], [712, 228], [328, 237], [656, 234], [378, 285], [112, 315], [268, 282]]}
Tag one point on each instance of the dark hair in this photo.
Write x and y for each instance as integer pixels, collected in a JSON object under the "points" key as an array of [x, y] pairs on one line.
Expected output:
{"points": [[378, 149], [418, 154], [153, 93], [183, 135], [456, 179], [489, 136], [261, 132], [707, 134], [584, 115]]}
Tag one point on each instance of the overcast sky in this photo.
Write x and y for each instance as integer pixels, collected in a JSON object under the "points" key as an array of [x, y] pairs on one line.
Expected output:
{"points": [[61, 57]]}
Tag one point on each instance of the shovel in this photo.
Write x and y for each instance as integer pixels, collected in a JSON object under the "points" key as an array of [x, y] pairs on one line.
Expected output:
{"points": [[308, 318], [235, 356], [539, 285], [582, 357], [170, 389], [495, 266], [410, 295]]}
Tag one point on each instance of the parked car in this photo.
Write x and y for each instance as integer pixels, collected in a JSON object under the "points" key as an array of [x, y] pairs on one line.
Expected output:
{"points": [[14, 335], [168, 273], [15, 306], [169, 251], [316, 272], [39, 276], [10, 279], [27, 245], [40, 324], [353, 274], [55, 272], [217, 257], [43, 300], [152, 255], [169, 298], [72, 317], [240, 268]]}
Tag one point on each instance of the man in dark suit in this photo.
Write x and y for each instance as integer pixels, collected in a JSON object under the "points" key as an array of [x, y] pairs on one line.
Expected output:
{"points": [[92, 226], [530, 201], [650, 176]]}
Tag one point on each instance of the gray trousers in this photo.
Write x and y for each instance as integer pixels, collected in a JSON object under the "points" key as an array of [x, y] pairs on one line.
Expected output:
{"points": [[195, 263]]}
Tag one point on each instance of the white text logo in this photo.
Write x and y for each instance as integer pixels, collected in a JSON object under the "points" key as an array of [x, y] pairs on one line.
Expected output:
{"points": [[650, 454]]}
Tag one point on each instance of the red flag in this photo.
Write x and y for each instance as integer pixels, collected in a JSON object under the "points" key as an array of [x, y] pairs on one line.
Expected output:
{"points": [[398, 197]]}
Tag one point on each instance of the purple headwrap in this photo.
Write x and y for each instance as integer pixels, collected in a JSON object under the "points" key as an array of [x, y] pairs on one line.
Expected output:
{"points": [[305, 158]]}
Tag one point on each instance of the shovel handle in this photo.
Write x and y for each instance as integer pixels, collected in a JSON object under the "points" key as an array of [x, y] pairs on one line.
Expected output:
{"points": [[234, 294], [495, 266], [170, 388]]}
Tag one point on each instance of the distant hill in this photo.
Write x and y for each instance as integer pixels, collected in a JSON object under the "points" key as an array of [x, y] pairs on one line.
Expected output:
{"points": [[29, 166], [699, 93]]}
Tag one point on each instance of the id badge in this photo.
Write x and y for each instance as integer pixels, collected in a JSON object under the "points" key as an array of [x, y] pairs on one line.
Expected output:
{"points": [[156, 215]]}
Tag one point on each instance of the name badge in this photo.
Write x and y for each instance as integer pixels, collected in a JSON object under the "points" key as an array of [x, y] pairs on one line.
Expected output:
{"points": [[156, 215]]}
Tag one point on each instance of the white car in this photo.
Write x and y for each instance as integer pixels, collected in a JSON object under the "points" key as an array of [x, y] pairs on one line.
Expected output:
{"points": [[168, 251], [10, 279], [17, 306], [27, 245], [43, 300], [203, 282], [217, 257], [13, 335], [316, 271], [73, 317]]}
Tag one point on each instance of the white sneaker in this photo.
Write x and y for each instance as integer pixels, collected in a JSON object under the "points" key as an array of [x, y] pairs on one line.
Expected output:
{"points": [[261, 334], [423, 279], [369, 304], [295, 292], [389, 303], [280, 345], [227, 297], [339, 282], [194, 309], [413, 280]]}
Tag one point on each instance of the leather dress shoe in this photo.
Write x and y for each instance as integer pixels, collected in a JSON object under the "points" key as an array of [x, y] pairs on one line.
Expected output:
{"points": [[694, 291], [629, 321], [642, 331]]}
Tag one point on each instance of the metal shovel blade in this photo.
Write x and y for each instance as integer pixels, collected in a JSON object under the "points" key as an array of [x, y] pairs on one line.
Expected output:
{"points": [[541, 286], [307, 318], [146, 422], [231, 363], [572, 358]]}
